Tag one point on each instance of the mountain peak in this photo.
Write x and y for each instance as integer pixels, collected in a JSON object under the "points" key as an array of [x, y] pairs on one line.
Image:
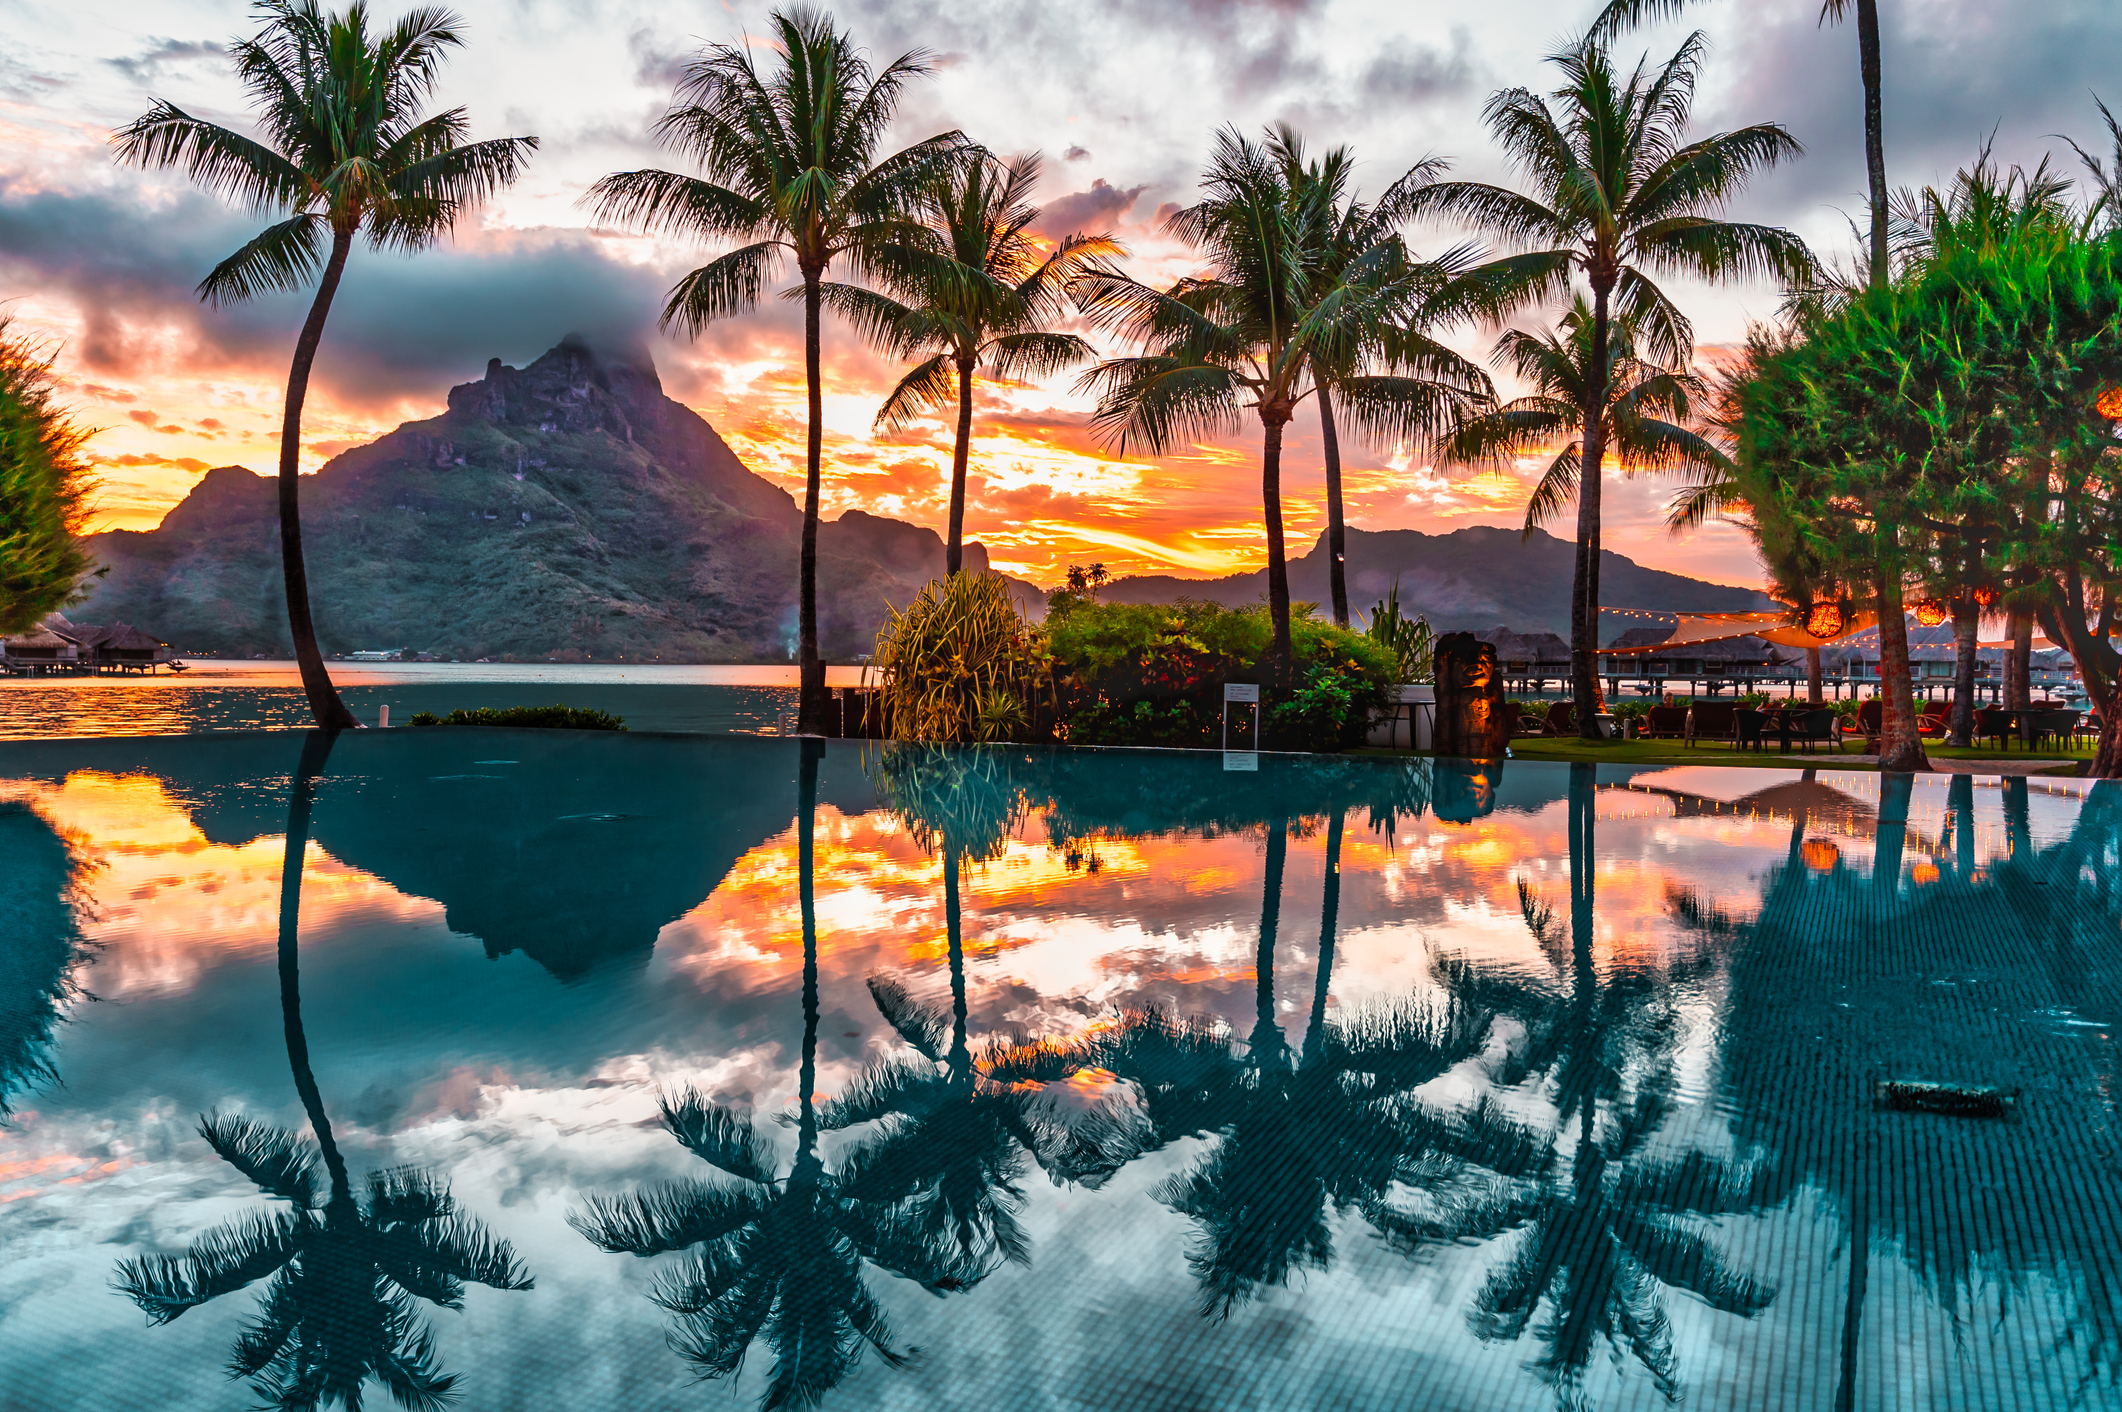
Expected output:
{"points": [[573, 386]]}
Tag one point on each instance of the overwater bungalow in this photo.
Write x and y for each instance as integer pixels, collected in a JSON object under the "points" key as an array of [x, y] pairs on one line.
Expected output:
{"points": [[57, 647]]}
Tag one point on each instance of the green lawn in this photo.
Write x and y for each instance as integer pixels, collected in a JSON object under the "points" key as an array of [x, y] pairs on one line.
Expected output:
{"points": [[1674, 752]]}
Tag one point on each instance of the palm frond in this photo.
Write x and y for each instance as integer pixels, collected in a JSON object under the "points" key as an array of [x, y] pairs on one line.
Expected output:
{"points": [[280, 257], [923, 1025], [273, 1159], [222, 161], [727, 285], [670, 1217], [222, 1260], [924, 388], [718, 1135]]}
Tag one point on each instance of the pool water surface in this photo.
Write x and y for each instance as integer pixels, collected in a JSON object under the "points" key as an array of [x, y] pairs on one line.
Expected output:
{"points": [[546, 1070]]}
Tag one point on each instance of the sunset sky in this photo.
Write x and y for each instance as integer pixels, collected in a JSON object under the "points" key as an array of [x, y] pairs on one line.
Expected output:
{"points": [[1123, 97]]}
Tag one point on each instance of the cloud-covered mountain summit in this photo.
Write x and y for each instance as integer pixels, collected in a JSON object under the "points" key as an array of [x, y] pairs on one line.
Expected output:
{"points": [[567, 508]]}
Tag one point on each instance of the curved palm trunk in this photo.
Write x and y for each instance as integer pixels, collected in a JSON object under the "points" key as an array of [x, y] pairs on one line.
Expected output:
{"points": [[1329, 920], [316, 750], [810, 703], [1278, 663], [1584, 598], [1815, 683], [1967, 617], [1900, 746], [1336, 528], [954, 546], [325, 706], [1874, 133]]}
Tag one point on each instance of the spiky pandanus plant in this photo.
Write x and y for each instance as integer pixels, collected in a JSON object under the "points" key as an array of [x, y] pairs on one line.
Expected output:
{"points": [[789, 165], [1617, 194], [982, 302], [344, 154], [960, 663]]}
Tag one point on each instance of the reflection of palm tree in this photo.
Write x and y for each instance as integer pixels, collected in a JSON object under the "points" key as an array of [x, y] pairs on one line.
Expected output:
{"points": [[348, 1268], [40, 915], [1600, 1242], [1334, 1126], [776, 1258]]}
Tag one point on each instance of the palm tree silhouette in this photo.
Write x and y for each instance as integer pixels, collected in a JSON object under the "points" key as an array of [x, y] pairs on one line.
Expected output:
{"points": [[345, 153], [348, 1266], [789, 164], [985, 298], [1646, 419], [1277, 306], [1618, 193], [778, 1259]]}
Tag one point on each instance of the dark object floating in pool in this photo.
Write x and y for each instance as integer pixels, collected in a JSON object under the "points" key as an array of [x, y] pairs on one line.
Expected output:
{"points": [[592, 818], [1952, 1100]]}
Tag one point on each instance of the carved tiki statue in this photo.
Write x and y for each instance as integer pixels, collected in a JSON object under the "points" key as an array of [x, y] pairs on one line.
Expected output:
{"points": [[1470, 723]]}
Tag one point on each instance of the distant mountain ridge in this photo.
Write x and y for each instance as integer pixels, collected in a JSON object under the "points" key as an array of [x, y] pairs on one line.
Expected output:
{"points": [[564, 509], [1470, 579]]}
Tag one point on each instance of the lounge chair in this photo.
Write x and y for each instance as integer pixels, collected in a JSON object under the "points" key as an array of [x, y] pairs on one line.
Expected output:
{"points": [[1747, 729], [1934, 719], [1712, 720], [1664, 721], [1562, 718], [1869, 716]]}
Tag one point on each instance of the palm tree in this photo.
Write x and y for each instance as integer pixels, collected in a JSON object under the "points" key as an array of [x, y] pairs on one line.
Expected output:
{"points": [[42, 902], [1646, 419], [1621, 14], [1243, 336], [345, 153], [1617, 195], [778, 1258], [1349, 235], [985, 299], [789, 165], [348, 1267]]}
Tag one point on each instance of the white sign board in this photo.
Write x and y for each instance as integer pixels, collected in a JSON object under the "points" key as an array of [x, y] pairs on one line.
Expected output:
{"points": [[1241, 760], [1241, 691]]}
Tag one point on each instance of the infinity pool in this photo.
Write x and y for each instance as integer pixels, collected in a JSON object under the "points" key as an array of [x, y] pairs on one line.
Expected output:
{"points": [[555, 1071]]}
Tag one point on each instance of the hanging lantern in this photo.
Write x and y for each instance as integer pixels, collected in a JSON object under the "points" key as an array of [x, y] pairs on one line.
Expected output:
{"points": [[1931, 612], [1820, 856], [2110, 404], [1824, 620], [1986, 597]]}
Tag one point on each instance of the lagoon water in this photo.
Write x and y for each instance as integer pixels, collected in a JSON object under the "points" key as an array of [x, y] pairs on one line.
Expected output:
{"points": [[1340, 1084]]}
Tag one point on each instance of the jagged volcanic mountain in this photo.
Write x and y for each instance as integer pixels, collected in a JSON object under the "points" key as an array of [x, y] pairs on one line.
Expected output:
{"points": [[564, 509]]}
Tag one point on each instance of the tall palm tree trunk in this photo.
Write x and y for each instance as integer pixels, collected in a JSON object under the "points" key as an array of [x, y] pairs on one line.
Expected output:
{"points": [[1967, 617], [1278, 663], [1815, 679], [1874, 133], [1329, 922], [954, 547], [810, 702], [1336, 528], [1900, 745], [960, 1056], [324, 703], [1584, 602], [316, 750]]}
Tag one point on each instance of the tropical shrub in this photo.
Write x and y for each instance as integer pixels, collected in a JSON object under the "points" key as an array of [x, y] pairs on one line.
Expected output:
{"points": [[1153, 674], [44, 484], [962, 664], [554, 717]]}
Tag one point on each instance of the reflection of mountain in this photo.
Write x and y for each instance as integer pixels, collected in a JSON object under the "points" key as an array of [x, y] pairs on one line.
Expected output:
{"points": [[568, 506], [40, 945]]}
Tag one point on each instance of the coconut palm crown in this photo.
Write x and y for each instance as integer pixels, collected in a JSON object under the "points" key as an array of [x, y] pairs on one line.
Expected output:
{"points": [[1616, 195], [1243, 335], [984, 301], [1648, 418], [344, 152], [789, 167]]}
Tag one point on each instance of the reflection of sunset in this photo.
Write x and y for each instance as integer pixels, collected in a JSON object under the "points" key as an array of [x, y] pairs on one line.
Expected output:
{"points": [[165, 902]]}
